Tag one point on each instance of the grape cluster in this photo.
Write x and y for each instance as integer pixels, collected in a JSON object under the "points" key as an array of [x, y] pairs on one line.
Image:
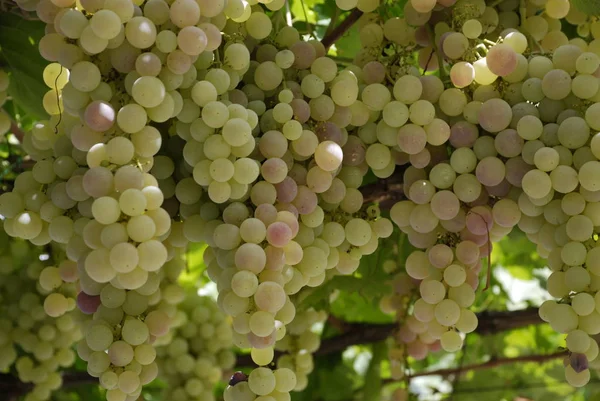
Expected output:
{"points": [[404, 290], [517, 128], [302, 339], [89, 192], [211, 121], [197, 352], [140, 320], [35, 345]]}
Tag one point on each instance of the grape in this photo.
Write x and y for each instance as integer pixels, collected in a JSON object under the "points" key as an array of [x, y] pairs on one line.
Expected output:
{"points": [[451, 341], [134, 332], [483, 74], [578, 341], [501, 59], [455, 45], [105, 24], [262, 381], [268, 75], [87, 304], [432, 291], [462, 74], [99, 116], [447, 312], [455, 275], [55, 304], [577, 379]]}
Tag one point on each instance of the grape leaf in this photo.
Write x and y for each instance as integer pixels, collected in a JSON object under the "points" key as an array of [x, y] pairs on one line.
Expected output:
{"points": [[304, 10], [193, 276], [19, 55]]}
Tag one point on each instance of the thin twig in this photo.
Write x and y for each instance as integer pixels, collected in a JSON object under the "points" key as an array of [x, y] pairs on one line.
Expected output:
{"points": [[492, 363], [310, 27], [438, 52]]}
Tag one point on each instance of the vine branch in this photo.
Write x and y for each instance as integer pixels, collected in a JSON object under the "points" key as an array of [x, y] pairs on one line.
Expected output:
{"points": [[490, 322], [492, 363], [13, 388], [342, 28], [17, 131], [386, 191]]}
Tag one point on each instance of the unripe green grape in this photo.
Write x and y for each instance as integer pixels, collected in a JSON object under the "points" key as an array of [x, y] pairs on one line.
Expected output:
{"points": [[483, 75], [240, 391], [262, 357], [259, 25], [106, 24], [262, 381], [578, 341], [447, 312], [140, 32], [451, 341], [432, 291]]}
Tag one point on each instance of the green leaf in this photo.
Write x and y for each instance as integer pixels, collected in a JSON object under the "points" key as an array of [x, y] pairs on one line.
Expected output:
{"points": [[373, 382], [520, 272], [348, 45], [20, 56], [304, 10], [336, 384], [192, 276], [356, 298]]}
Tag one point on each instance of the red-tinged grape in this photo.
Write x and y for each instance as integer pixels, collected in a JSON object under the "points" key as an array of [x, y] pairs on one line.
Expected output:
{"points": [[99, 116], [88, 304]]}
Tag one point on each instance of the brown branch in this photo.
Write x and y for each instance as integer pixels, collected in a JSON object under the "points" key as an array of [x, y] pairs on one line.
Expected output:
{"points": [[490, 322], [385, 191], [492, 363], [342, 28], [13, 388], [17, 131], [72, 379], [332, 22]]}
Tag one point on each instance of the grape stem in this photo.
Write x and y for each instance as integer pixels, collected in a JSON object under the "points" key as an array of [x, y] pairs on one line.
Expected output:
{"points": [[489, 253], [288, 13], [495, 3], [438, 52], [339, 31]]}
